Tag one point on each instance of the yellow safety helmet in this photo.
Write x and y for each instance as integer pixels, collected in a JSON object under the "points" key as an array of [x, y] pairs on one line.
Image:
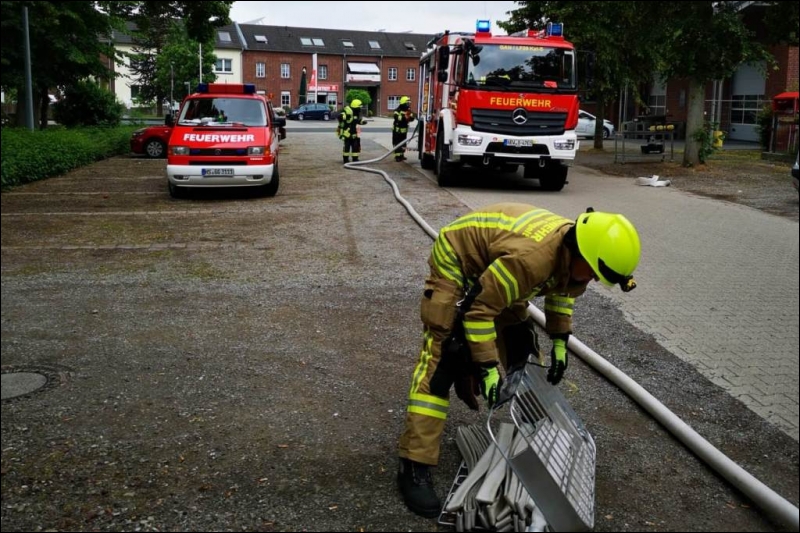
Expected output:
{"points": [[610, 244], [355, 104], [404, 100]]}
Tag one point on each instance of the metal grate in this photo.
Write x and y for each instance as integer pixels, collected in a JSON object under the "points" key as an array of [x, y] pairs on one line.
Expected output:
{"points": [[500, 121], [557, 467]]}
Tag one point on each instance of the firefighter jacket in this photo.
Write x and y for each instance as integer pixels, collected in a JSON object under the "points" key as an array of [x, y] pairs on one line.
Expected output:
{"points": [[402, 117], [348, 124], [515, 252]]}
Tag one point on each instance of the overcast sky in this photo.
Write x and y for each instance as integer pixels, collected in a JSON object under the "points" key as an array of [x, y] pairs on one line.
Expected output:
{"points": [[398, 17]]}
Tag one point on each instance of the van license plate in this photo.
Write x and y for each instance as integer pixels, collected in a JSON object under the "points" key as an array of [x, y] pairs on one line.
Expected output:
{"points": [[217, 172], [518, 142]]}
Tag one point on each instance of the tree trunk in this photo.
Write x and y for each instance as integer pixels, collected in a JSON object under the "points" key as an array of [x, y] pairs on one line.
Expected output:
{"points": [[599, 125], [694, 122]]}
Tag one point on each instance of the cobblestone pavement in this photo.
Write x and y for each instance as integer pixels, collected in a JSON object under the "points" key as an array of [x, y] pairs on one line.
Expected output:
{"points": [[718, 281]]}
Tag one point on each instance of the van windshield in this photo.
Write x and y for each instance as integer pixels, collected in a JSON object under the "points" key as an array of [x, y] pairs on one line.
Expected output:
{"points": [[224, 110]]}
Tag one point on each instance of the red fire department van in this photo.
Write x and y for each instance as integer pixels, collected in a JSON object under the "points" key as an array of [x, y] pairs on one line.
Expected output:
{"points": [[225, 135], [499, 102]]}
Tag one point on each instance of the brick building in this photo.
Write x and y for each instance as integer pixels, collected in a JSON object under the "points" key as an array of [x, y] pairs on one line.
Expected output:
{"points": [[384, 64]]}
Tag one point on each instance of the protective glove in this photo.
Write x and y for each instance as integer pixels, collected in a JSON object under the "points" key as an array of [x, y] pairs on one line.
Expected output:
{"points": [[491, 383], [558, 359]]}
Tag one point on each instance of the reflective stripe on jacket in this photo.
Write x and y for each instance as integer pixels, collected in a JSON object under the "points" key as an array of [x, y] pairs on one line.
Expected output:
{"points": [[516, 252]]}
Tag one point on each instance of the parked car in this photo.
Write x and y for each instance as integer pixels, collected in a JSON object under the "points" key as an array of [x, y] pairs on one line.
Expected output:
{"points": [[795, 173], [151, 141], [586, 123], [311, 111]]}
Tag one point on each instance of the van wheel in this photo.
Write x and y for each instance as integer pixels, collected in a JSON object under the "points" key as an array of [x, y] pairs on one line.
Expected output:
{"points": [[301, 117], [271, 188], [177, 192], [606, 133], [326, 116]]}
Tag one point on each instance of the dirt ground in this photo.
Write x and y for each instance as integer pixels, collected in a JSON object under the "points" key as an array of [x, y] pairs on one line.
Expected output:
{"points": [[733, 175], [235, 363]]}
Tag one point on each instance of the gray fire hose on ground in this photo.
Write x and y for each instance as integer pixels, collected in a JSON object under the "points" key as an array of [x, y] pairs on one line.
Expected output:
{"points": [[774, 505]]}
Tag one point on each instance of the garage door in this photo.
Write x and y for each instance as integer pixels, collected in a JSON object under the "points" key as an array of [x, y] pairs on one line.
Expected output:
{"points": [[747, 100]]}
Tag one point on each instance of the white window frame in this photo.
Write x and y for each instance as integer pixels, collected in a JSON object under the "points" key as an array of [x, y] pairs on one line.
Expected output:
{"points": [[392, 102], [745, 109], [286, 99], [226, 64], [261, 70], [323, 72], [375, 45], [392, 75], [305, 41], [286, 71], [411, 74]]}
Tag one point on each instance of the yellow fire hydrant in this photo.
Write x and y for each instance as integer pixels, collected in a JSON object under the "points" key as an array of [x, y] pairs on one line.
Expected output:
{"points": [[719, 136]]}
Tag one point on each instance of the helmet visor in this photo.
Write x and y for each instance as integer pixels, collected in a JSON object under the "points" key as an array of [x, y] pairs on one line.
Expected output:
{"points": [[609, 274]]}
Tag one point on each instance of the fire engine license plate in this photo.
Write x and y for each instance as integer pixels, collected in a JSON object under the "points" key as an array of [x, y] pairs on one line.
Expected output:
{"points": [[217, 172], [518, 142]]}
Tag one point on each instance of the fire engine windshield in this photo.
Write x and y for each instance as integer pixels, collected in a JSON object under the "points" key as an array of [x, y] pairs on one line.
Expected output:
{"points": [[516, 67], [223, 110]]}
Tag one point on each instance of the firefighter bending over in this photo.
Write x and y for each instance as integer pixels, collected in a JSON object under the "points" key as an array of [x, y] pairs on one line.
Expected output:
{"points": [[484, 267]]}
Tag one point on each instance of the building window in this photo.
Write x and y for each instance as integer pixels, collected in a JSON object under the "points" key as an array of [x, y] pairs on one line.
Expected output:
{"points": [[223, 65], [657, 104], [305, 41], [745, 108], [224, 36], [286, 99], [261, 70], [392, 73], [392, 102], [285, 71], [318, 42], [347, 43], [375, 45], [411, 74], [409, 46], [323, 72], [261, 39]]}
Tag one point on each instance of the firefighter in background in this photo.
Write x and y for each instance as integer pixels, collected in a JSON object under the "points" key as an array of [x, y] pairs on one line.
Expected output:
{"points": [[484, 267], [347, 130], [402, 117]]}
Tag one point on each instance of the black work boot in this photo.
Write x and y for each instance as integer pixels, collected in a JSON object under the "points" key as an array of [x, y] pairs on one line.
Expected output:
{"points": [[345, 160], [416, 486], [355, 159]]}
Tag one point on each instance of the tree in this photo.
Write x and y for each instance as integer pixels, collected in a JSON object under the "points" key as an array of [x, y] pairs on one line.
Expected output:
{"points": [[155, 23], [619, 34], [359, 94], [707, 41], [67, 45], [164, 56]]}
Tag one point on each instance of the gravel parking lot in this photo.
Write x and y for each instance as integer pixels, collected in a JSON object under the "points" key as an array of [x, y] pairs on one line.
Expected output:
{"points": [[229, 362]]}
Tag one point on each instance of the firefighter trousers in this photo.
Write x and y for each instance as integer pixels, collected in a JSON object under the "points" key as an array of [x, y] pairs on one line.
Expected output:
{"points": [[434, 374], [397, 138], [352, 148]]}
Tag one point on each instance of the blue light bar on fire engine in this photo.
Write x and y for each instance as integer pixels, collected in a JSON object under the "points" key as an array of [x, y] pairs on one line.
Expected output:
{"points": [[484, 26], [227, 88], [555, 29]]}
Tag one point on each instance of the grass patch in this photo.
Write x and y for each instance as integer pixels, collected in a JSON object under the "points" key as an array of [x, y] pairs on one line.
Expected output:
{"points": [[28, 156]]}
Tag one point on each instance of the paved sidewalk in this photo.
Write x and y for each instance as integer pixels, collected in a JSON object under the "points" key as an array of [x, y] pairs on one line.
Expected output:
{"points": [[718, 282]]}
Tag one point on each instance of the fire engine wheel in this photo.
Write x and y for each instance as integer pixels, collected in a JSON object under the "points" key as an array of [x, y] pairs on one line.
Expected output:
{"points": [[443, 169], [552, 176], [155, 149], [271, 188]]}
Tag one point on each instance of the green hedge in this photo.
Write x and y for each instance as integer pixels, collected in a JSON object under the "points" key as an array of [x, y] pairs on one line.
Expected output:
{"points": [[34, 155]]}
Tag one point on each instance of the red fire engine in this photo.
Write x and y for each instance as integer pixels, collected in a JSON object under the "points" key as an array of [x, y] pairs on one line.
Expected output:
{"points": [[499, 102]]}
